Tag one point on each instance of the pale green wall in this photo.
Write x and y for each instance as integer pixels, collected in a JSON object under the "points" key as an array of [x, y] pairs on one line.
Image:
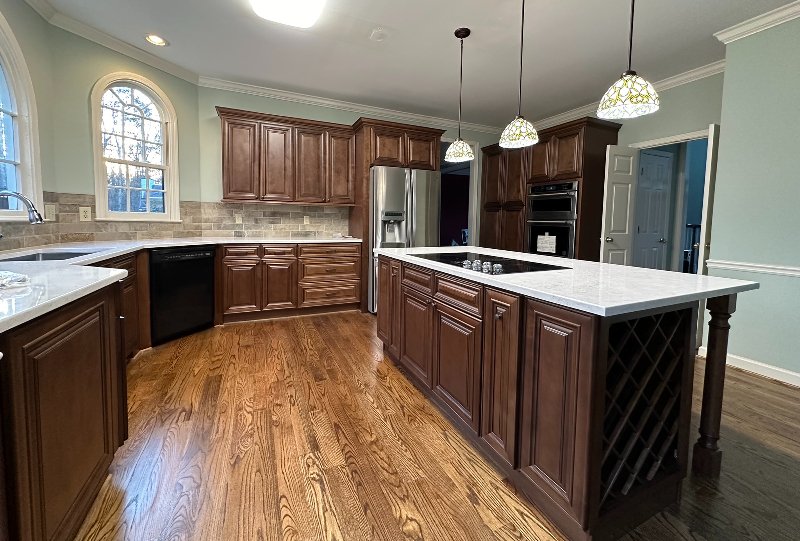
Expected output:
{"points": [[211, 137], [756, 217], [686, 108]]}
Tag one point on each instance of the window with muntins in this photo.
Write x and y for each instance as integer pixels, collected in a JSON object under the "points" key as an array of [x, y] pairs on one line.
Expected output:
{"points": [[9, 162], [136, 166]]}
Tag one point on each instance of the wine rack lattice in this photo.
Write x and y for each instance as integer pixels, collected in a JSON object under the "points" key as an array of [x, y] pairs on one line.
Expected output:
{"points": [[646, 359]]}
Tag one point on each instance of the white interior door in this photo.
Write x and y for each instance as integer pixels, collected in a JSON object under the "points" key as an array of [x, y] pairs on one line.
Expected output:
{"points": [[622, 166], [653, 209]]}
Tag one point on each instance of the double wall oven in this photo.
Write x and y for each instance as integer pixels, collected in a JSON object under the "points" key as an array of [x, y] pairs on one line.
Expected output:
{"points": [[552, 215]]}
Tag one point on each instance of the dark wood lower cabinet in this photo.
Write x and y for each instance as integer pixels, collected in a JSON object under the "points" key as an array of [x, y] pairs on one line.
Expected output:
{"points": [[63, 411], [389, 304], [457, 362], [556, 412], [416, 328], [243, 285], [280, 284], [499, 405]]}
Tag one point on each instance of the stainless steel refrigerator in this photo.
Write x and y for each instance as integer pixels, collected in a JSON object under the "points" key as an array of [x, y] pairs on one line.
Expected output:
{"points": [[404, 214]]}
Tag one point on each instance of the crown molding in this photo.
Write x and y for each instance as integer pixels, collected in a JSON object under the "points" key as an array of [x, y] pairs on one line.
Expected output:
{"points": [[761, 22], [665, 84], [49, 13], [365, 110]]}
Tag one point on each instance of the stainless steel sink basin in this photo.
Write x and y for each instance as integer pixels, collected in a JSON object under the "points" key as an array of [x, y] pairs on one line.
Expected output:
{"points": [[47, 256]]}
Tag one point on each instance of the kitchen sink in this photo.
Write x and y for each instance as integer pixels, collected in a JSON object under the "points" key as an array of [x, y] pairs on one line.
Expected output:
{"points": [[55, 255]]}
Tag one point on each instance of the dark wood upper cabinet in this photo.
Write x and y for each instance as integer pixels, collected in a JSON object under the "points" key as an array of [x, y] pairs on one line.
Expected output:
{"points": [[416, 325], [515, 178], [280, 284], [559, 347], [388, 146], [423, 151], [311, 166], [277, 162], [457, 362], [501, 367], [503, 198], [494, 162], [341, 167], [566, 149], [240, 150], [242, 280], [540, 160]]}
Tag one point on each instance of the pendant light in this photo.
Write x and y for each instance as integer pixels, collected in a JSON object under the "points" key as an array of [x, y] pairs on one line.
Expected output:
{"points": [[459, 151], [520, 133], [631, 96]]}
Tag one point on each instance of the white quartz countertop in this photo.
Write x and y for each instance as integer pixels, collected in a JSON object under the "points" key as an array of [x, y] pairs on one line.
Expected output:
{"points": [[597, 288], [57, 283]]}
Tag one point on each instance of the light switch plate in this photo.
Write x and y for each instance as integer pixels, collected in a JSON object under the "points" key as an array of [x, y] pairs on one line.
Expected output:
{"points": [[85, 214], [50, 213], [306, 220], [238, 218]]}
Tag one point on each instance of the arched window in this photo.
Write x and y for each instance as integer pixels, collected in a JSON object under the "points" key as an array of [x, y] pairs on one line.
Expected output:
{"points": [[135, 150], [20, 170]]}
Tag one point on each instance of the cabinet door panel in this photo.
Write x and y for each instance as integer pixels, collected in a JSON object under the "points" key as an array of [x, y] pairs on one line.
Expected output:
{"points": [[396, 281], [416, 326], [277, 163], [492, 178], [341, 167], [540, 161], [513, 229], [242, 280], [130, 310], [554, 429], [567, 155], [423, 151], [457, 362], [385, 301], [311, 165], [388, 146], [501, 364], [280, 284], [516, 177], [491, 227], [240, 160]]}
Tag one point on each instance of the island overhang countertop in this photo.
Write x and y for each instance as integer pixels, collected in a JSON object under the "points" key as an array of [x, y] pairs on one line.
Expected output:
{"points": [[602, 289]]}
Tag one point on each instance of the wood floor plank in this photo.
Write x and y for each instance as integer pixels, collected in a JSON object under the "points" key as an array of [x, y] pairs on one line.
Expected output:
{"points": [[301, 430]]}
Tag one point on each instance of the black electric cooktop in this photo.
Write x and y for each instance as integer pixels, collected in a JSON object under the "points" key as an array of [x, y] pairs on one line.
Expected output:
{"points": [[509, 266]]}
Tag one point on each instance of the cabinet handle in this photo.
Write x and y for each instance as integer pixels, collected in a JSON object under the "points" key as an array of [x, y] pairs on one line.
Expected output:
{"points": [[330, 269], [122, 317]]}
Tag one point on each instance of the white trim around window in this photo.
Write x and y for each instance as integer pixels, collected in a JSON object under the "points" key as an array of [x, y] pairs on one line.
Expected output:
{"points": [[29, 171], [170, 151]]}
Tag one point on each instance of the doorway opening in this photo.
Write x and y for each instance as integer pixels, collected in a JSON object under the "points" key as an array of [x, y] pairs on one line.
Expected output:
{"points": [[669, 206], [454, 226]]}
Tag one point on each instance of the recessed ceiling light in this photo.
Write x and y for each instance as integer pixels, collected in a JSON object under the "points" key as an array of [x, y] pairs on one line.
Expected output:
{"points": [[299, 13], [156, 40]]}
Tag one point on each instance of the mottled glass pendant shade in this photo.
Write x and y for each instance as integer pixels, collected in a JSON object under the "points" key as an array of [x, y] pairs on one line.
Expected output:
{"points": [[520, 133], [631, 96], [459, 151]]}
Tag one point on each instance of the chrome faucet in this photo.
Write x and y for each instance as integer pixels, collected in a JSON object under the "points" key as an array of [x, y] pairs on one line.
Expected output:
{"points": [[33, 215]]}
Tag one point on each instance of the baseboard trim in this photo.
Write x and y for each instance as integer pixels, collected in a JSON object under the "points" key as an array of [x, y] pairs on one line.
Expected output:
{"points": [[760, 369]]}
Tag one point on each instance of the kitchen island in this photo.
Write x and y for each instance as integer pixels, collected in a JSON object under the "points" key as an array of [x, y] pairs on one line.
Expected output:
{"points": [[576, 380]]}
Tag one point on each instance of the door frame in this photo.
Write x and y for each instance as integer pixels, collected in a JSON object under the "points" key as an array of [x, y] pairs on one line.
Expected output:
{"points": [[474, 216]]}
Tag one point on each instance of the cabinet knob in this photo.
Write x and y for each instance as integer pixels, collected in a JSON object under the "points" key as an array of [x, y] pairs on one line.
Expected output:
{"points": [[662, 240], [122, 317], [609, 239], [498, 315]]}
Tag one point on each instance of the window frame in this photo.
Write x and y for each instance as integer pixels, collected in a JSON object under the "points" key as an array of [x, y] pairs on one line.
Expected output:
{"points": [[169, 151], [26, 123]]}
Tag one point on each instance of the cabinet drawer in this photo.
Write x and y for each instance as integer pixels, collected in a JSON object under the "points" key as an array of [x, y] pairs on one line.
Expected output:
{"points": [[241, 250], [418, 278], [279, 250], [314, 270], [328, 294], [465, 295], [329, 250]]}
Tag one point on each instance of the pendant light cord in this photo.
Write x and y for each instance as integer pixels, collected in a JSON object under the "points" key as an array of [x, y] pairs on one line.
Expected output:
{"points": [[630, 37], [521, 46], [460, 86]]}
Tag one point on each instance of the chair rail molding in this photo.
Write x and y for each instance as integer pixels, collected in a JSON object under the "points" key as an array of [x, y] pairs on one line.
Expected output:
{"points": [[759, 23], [759, 268]]}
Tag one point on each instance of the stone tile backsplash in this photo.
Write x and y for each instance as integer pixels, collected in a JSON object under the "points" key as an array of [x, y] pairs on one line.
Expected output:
{"points": [[199, 219]]}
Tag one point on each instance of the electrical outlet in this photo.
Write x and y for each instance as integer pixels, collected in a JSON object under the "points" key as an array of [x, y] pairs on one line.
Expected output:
{"points": [[306, 220], [85, 214], [50, 213], [238, 218]]}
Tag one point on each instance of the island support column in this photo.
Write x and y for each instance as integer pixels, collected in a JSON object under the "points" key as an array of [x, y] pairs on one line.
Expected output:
{"points": [[707, 456]]}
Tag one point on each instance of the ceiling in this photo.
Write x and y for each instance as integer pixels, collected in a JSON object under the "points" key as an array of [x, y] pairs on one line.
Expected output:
{"points": [[574, 49]]}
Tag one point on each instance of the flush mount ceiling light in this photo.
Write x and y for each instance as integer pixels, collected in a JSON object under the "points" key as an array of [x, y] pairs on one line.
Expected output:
{"points": [[156, 40], [299, 13], [520, 133], [459, 150], [631, 96]]}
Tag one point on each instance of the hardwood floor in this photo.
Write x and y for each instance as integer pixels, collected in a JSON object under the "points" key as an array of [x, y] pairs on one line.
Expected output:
{"points": [[299, 429]]}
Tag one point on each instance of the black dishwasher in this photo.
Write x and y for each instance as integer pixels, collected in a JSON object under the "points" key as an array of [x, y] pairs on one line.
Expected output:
{"points": [[181, 291]]}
